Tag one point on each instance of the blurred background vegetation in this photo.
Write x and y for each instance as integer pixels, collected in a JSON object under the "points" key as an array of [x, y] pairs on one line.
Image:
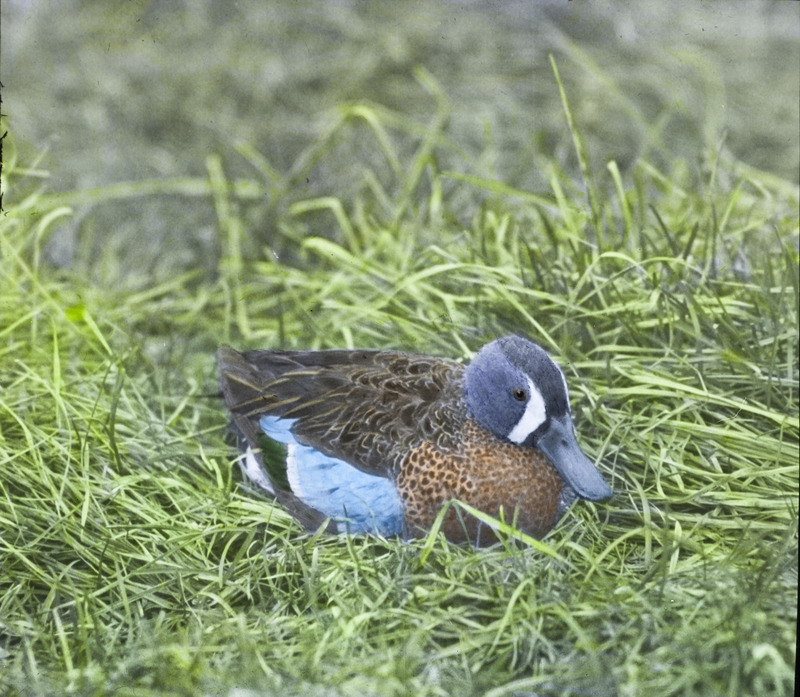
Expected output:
{"points": [[119, 92]]}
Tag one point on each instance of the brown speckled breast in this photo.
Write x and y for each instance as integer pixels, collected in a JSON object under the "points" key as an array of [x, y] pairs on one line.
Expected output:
{"points": [[484, 473]]}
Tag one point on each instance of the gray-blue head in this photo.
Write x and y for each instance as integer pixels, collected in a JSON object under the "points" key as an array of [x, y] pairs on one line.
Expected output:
{"points": [[516, 391]]}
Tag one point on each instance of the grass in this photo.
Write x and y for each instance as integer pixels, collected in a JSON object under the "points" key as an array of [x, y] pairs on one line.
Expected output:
{"points": [[134, 562]]}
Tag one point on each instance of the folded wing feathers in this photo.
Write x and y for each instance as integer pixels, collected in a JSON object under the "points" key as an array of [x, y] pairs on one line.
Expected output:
{"points": [[365, 407]]}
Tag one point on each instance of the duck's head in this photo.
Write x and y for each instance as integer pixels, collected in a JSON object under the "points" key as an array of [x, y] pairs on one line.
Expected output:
{"points": [[516, 391]]}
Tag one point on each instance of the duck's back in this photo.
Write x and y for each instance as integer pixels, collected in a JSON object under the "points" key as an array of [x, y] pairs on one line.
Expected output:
{"points": [[367, 408]]}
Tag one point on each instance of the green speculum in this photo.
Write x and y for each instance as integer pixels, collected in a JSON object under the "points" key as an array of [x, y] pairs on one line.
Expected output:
{"points": [[274, 456]]}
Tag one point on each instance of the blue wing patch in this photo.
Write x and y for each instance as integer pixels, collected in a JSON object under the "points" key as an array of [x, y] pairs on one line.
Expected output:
{"points": [[355, 500]]}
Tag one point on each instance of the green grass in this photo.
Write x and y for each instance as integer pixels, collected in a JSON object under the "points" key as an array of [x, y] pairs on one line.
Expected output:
{"points": [[134, 562]]}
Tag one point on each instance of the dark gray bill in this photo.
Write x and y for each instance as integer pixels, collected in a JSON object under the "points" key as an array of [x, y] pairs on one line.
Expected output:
{"points": [[577, 470]]}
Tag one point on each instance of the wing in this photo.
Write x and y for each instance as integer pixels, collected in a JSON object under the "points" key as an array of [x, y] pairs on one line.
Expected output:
{"points": [[367, 408], [310, 518]]}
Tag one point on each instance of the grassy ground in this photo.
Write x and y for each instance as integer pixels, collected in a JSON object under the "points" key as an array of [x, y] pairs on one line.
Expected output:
{"points": [[135, 563]]}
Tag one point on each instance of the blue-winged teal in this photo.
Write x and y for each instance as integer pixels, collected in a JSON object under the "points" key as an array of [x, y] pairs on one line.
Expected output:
{"points": [[377, 441]]}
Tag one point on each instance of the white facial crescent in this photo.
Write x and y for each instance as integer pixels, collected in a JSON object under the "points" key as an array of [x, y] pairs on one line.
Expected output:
{"points": [[533, 416]]}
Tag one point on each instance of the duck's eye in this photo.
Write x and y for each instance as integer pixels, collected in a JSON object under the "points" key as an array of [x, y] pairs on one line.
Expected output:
{"points": [[519, 394]]}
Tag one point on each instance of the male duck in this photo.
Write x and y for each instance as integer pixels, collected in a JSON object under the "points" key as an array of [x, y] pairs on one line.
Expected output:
{"points": [[377, 441]]}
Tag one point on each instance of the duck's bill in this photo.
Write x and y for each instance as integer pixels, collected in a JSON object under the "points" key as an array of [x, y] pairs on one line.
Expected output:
{"points": [[577, 470]]}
